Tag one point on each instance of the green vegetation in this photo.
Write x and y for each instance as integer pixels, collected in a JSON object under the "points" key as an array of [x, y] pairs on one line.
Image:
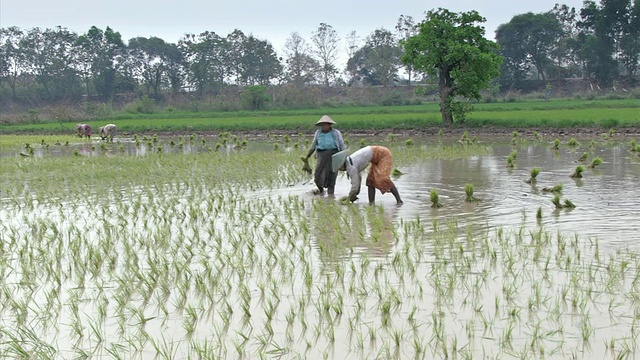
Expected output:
{"points": [[577, 173], [212, 255], [595, 162], [534, 174], [560, 114], [435, 199], [468, 190], [452, 47]]}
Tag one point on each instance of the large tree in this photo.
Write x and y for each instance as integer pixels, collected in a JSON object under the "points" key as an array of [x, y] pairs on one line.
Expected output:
{"points": [[529, 40], [51, 55], [208, 60], [12, 57], [452, 47], [151, 59], [102, 49], [377, 62], [301, 68]]}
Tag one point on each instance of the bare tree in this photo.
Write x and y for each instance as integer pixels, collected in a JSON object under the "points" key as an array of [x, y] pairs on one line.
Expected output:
{"points": [[352, 46], [301, 67], [406, 28], [326, 40]]}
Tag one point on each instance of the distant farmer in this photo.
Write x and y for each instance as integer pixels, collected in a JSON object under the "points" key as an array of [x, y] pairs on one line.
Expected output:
{"points": [[381, 165], [83, 130], [107, 132], [326, 142]]}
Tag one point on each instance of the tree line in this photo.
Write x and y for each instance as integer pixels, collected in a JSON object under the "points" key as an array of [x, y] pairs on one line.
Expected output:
{"points": [[600, 42]]}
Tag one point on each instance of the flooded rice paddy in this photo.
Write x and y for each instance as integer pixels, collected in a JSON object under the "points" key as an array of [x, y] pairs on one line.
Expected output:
{"points": [[208, 248]]}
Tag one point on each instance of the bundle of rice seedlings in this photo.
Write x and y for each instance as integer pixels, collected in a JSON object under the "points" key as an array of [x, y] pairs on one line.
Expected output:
{"points": [[534, 173], [555, 189], [595, 162], [573, 142], [468, 189], [578, 172], [435, 199], [583, 157]]}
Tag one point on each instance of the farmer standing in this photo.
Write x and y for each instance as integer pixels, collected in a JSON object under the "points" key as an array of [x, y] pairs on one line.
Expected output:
{"points": [[326, 142], [379, 173]]}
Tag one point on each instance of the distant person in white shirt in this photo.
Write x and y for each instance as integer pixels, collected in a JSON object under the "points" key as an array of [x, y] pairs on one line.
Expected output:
{"points": [[379, 173]]}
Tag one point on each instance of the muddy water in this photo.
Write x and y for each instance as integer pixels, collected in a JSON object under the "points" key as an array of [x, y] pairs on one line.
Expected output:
{"points": [[607, 198], [482, 297]]}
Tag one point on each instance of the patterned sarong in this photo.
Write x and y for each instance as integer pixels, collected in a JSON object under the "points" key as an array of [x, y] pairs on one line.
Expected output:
{"points": [[380, 169]]}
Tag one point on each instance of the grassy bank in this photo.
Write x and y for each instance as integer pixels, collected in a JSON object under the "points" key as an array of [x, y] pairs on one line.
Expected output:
{"points": [[532, 114]]}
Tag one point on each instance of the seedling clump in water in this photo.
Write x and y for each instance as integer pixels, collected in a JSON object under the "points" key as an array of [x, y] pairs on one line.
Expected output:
{"points": [[555, 189], [578, 172], [468, 189], [595, 162], [534, 174], [435, 199]]}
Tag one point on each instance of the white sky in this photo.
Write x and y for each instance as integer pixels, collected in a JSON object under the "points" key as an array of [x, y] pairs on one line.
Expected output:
{"points": [[273, 20]]}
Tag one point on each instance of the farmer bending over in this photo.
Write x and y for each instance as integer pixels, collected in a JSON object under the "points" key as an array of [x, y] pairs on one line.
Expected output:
{"points": [[381, 165]]}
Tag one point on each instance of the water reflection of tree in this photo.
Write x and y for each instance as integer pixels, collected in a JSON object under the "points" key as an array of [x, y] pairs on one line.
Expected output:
{"points": [[345, 230]]}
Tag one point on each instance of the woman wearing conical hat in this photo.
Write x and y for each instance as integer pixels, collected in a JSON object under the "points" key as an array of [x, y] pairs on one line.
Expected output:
{"points": [[326, 142]]}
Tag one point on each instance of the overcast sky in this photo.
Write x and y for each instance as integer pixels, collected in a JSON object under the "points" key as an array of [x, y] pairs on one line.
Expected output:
{"points": [[273, 20]]}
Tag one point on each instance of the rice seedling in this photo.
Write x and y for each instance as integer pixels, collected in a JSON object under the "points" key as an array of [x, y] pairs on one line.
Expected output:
{"points": [[409, 142], [554, 189], [634, 146], [577, 173], [464, 139], [468, 189], [396, 172], [573, 142], [435, 199], [534, 172], [583, 157], [556, 144], [556, 201], [391, 137], [539, 213], [240, 270], [595, 162]]}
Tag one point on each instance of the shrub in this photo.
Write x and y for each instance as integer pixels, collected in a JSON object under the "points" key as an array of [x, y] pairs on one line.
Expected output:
{"points": [[144, 105]]}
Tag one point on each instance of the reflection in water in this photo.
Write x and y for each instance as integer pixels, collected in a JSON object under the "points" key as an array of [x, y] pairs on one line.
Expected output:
{"points": [[279, 272], [607, 198], [353, 229]]}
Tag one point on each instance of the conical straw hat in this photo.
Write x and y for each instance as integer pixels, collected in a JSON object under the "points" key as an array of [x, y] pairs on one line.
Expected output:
{"points": [[338, 159], [325, 119]]}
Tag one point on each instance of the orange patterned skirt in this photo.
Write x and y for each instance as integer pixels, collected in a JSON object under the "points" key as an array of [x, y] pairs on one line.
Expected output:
{"points": [[380, 170]]}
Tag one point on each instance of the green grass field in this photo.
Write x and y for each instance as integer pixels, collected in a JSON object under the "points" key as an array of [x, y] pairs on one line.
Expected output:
{"points": [[527, 114]]}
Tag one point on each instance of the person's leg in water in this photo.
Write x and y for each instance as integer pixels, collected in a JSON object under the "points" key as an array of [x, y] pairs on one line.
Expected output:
{"points": [[372, 194], [396, 194], [393, 190]]}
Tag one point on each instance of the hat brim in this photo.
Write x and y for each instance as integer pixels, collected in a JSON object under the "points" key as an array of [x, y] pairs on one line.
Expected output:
{"points": [[338, 159], [330, 122]]}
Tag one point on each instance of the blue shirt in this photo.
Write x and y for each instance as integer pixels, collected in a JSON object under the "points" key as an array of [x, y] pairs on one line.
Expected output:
{"points": [[326, 141]]}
